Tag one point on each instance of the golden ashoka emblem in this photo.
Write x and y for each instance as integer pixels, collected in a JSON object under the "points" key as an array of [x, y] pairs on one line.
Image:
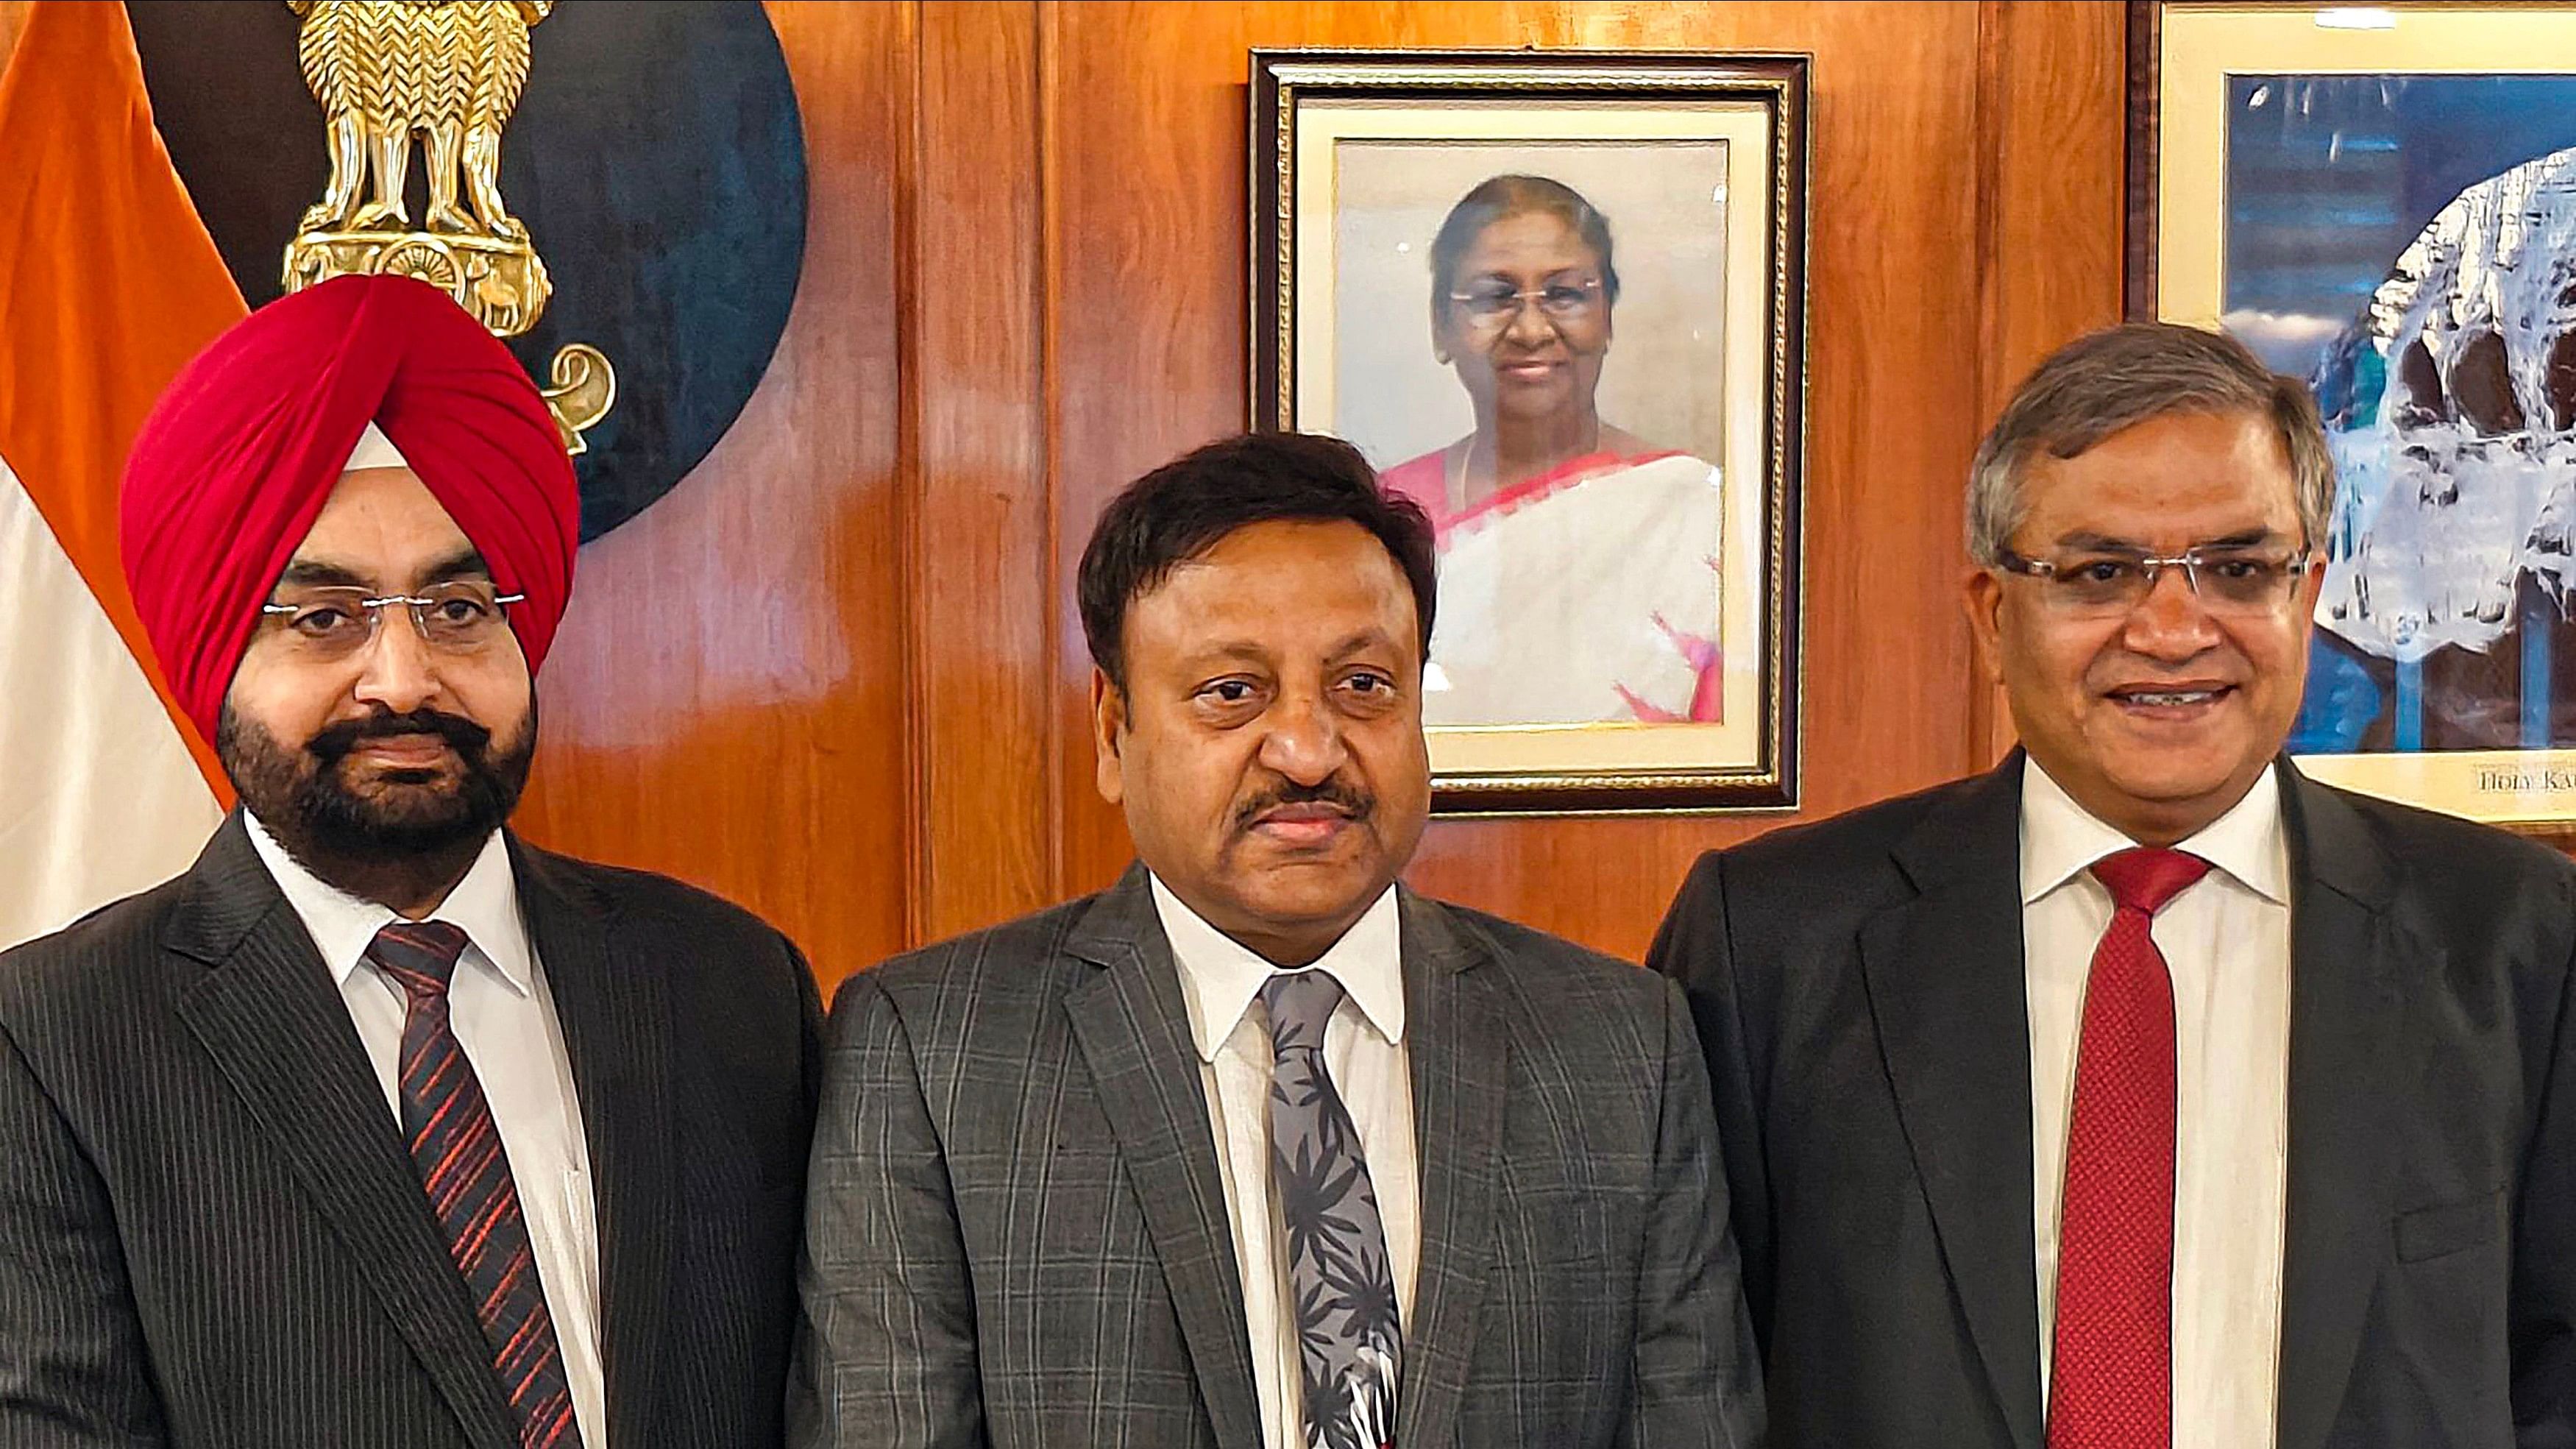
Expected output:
{"points": [[444, 74]]}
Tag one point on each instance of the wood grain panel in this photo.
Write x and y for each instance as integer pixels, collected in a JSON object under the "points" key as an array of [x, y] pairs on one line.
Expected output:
{"points": [[726, 700], [2050, 193], [976, 480], [2050, 208], [1148, 197]]}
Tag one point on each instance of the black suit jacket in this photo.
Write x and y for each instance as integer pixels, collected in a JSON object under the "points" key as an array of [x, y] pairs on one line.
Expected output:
{"points": [[211, 1232], [1858, 988]]}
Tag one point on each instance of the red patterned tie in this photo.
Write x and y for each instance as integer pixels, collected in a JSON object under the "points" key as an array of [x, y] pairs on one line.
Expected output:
{"points": [[458, 1152], [2111, 1386]]}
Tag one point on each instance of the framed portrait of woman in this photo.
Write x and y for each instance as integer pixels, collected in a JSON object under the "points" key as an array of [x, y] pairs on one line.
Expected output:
{"points": [[1558, 299]]}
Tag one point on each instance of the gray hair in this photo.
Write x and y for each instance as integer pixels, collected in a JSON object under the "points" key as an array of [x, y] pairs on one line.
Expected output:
{"points": [[2116, 378]]}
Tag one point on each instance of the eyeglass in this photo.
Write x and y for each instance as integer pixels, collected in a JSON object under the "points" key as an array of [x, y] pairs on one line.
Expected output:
{"points": [[2234, 581], [333, 622], [1490, 308]]}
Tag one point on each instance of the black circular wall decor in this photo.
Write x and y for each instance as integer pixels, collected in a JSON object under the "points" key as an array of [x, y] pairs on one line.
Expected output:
{"points": [[657, 158]]}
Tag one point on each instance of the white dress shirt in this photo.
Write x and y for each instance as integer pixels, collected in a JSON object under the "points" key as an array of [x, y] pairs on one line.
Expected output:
{"points": [[504, 1018], [1221, 983], [2226, 943]]}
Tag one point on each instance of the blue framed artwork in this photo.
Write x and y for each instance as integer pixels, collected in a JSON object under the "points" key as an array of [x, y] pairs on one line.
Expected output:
{"points": [[2383, 202]]}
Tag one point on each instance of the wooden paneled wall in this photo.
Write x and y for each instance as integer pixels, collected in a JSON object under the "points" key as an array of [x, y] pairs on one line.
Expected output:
{"points": [[728, 698], [837, 673]]}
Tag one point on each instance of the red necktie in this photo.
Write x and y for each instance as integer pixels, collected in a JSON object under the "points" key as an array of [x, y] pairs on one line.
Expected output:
{"points": [[2112, 1382], [457, 1148]]}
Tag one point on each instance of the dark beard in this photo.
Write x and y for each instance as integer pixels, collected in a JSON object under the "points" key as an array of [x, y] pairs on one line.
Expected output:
{"points": [[405, 851]]}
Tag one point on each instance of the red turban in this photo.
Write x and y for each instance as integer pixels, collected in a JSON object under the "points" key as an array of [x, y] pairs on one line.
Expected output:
{"points": [[239, 455]]}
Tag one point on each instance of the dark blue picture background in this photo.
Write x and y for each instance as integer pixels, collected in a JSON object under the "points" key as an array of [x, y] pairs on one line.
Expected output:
{"points": [[2329, 178]]}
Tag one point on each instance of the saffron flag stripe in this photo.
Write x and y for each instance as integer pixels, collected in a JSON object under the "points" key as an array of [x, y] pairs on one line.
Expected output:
{"points": [[108, 284]]}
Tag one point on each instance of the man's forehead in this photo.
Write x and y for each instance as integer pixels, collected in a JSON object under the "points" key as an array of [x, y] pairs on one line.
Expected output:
{"points": [[383, 524], [1309, 637], [1330, 568], [311, 568], [2126, 509], [1278, 601], [2165, 471]]}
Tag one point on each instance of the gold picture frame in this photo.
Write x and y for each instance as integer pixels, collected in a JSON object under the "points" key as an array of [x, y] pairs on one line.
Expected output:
{"points": [[2272, 148], [1619, 618]]}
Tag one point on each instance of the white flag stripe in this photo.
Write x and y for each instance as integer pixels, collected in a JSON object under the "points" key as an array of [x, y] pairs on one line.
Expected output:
{"points": [[99, 796]]}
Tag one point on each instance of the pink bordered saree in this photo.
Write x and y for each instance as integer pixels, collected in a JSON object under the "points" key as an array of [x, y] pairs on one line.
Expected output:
{"points": [[1588, 594]]}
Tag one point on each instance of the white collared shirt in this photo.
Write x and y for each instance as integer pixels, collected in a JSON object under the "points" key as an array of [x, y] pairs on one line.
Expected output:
{"points": [[1221, 983], [504, 1019], [2226, 943]]}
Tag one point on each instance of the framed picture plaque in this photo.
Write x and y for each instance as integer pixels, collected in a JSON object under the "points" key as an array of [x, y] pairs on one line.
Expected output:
{"points": [[2383, 201], [1559, 300]]}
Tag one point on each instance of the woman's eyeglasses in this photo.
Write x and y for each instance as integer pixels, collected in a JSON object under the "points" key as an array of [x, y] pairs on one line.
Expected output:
{"points": [[1491, 308]]}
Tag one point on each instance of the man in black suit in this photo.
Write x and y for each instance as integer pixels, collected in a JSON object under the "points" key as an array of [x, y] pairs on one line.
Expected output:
{"points": [[2145, 1091], [380, 1128]]}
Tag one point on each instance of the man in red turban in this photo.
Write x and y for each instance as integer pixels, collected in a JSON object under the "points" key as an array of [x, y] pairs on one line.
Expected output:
{"points": [[237, 460], [380, 1126]]}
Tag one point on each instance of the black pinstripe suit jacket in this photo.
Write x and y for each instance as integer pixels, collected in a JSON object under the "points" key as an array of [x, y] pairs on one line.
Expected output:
{"points": [[211, 1233], [1018, 1236]]}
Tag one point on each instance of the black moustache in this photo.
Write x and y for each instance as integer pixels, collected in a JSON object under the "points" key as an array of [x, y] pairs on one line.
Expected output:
{"points": [[1356, 803], [462, 735]]}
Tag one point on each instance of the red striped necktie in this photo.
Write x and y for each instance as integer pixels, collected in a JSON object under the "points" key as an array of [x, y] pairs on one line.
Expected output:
{"points": [[2111, 1386], [457, 1149]]}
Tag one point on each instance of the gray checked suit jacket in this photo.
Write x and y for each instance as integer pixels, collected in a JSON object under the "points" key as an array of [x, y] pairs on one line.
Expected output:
{"points": [[1017, 1235]]}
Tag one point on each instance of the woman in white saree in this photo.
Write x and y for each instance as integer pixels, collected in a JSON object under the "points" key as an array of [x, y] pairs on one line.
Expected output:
{"points": [[1578, 564]]}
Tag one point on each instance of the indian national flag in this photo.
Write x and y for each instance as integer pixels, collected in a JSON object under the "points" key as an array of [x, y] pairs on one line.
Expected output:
{"points": [[108, 284]]}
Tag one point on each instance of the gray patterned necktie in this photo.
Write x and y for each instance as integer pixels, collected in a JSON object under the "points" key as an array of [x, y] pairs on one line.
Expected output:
{"points": [[1349, 1342]]}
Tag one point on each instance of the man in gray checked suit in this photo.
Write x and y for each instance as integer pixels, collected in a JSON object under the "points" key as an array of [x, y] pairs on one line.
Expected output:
{"points": [[1258, 1148]]}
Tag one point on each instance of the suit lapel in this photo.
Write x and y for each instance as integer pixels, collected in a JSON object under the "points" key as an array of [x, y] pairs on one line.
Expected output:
{"points": [[1945, 980], [1460, 1056], [1134, 1033], [615, 1016], [2344, 996], [270, 1017]]}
